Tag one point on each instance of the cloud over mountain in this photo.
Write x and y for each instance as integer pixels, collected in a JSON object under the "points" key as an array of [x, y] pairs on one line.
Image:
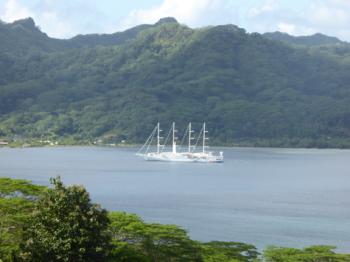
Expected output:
{"points": [[65, 19]]}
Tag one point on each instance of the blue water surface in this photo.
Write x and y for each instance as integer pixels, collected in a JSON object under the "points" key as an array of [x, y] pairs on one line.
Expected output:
{"points": [[284, 197]]}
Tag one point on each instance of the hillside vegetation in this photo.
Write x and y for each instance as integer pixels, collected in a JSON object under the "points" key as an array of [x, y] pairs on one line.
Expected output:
{"points": [[251, 89]]}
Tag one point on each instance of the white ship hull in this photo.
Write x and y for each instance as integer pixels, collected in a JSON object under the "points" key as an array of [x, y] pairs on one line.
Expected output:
{"points": [[183, 157]]}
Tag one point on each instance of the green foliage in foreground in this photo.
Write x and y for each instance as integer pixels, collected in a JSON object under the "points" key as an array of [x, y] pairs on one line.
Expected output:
{"points": [[152, 242], [61, 224], [17, 199], [12, 188], [312, 254], [66, 226]]}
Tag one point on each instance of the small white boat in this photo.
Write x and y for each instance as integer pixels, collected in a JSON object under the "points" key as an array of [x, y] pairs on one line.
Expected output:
{"points": [[190, 155]]}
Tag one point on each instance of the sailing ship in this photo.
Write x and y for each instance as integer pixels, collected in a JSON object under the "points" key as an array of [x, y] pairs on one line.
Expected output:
{"points": [[190, 154]]}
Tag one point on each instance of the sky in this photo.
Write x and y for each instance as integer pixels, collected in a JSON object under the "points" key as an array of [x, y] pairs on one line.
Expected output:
{"points": [[67, 18]]}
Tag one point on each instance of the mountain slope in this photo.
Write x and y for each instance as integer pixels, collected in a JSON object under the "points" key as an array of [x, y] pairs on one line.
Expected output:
{"points": [[118, 38], [312, 40], [247, 87], [23, 36]]}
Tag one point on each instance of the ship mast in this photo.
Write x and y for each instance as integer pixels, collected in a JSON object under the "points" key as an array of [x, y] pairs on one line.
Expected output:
{"points": [[204, 138], [190, 131], [174, 138], [158, 138]]}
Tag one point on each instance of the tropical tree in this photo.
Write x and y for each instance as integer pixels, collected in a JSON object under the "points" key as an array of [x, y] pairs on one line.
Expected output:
{"points": [[308, 254], [136, 240], [218, 251], [66, 226], [16, 205]]}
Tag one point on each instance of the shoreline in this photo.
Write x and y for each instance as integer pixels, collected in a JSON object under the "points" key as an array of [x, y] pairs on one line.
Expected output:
{"points": [[139, 145]]}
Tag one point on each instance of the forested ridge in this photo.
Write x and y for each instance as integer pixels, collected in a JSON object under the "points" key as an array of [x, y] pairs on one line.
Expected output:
{"points": [[251, 89]]}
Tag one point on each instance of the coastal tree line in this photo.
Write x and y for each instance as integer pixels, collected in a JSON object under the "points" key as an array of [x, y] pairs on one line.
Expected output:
{"points": [[61, 223]]}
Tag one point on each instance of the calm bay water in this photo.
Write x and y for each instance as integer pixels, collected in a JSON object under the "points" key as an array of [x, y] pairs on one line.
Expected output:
{"points": [[286, 197]]}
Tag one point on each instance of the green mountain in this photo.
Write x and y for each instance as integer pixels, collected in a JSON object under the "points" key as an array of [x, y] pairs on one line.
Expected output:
{"points": [[320, 44], [250, 89], [312, 40]]}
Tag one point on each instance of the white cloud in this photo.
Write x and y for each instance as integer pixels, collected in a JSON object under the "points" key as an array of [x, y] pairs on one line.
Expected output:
{"points": [[323, 16], [331, 17], [192, 12], [330, 13], [14, 11], [296, 30], [54, 18], [64, 19], [54, 25], [270, 16], [267, 7], [48, 21], [286, 28]]}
